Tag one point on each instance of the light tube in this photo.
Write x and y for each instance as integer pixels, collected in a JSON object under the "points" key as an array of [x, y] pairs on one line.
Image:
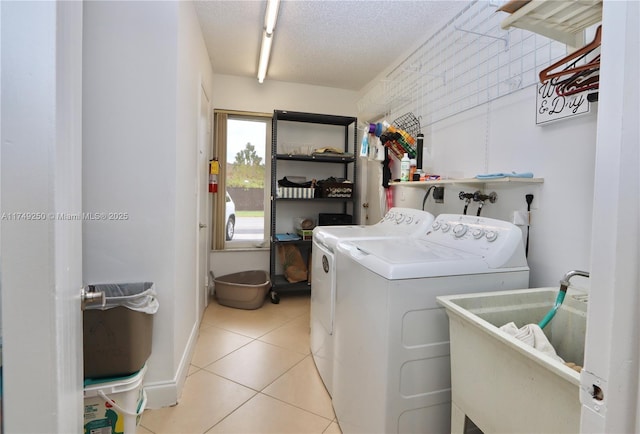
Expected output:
{"points": [[271, 16], [265, 51]]}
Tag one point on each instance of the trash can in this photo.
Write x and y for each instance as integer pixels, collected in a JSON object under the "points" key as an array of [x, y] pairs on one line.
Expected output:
{"points": [[117, 334]]}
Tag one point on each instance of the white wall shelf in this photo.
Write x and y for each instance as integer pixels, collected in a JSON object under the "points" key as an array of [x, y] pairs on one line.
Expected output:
{"points": [[558, 20], [469, 181]]}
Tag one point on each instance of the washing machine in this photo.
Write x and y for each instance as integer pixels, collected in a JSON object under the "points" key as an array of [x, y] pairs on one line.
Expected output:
{"points": [[396, 222], [391, 339]]}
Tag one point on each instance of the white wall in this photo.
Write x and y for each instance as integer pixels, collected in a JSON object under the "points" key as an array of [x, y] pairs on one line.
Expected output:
{"points": [[243, 93], [143, 64], [246, 94], [502, 136]]}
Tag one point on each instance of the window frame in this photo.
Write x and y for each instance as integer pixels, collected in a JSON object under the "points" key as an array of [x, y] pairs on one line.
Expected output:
{"points": [[220, 120]]}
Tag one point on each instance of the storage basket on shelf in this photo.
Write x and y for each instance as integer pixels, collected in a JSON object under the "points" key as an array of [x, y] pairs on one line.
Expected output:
{"points": [[288, 189], [332, 188], [400, 137]]}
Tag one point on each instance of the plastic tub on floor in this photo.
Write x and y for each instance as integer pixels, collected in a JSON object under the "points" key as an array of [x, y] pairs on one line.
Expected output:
{"points": [[503, 384], [243, 290], [114, 405]]}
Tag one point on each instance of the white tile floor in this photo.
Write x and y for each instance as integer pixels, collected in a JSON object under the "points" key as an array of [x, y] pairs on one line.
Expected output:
{"points": [[251, 372]]}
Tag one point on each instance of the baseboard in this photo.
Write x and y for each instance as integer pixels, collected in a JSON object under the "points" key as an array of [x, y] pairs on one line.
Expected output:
{"points": [[168, 393]]}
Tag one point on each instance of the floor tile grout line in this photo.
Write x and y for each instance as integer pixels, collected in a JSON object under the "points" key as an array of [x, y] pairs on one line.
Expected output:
{"points": [[227, 355], [274, 398], [232, 411], [267, 385], [241, 334], [233, 381], [289, 403], [299, 408], [286, 322], [261, 392], [246, 344], [252, 337], [281, 375], [259, 338]]}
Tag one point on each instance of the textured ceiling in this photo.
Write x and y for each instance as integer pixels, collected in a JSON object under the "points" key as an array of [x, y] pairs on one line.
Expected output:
{"points": [[342, 44]]}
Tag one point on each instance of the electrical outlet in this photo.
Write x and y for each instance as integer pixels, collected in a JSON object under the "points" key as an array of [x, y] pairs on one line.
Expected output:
{"points": [[438, 194]]}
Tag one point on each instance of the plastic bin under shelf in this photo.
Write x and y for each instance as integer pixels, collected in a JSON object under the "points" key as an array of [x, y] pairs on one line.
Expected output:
{"points": [[503, 384]]}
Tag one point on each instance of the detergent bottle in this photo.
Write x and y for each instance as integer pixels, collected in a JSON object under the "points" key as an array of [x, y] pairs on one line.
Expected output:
{"points": [[405, 167]]}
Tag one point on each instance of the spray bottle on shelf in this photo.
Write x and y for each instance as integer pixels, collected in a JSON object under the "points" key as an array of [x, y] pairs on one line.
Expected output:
{"points": [[405, 167]]}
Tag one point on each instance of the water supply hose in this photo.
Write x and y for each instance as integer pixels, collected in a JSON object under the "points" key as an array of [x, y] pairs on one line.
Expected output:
{"points": [[549, 316], [467, 200], [564, 285]]}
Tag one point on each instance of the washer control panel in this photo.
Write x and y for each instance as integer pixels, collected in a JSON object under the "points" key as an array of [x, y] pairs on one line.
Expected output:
{"points": [[480, 235], [409, 218]]}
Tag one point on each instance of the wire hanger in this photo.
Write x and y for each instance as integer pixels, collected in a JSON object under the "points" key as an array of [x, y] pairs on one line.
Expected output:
{"points": [[576, 56]]}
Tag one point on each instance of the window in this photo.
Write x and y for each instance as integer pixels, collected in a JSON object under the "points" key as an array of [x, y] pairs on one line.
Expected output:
{"points": [[241, 147]]}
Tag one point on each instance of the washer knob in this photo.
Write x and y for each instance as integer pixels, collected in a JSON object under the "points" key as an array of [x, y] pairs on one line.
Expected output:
{"points": [[445, 227], [477, 234], [409, 219], [491, 235], [400, 218], [435, 226], [459, 230]]}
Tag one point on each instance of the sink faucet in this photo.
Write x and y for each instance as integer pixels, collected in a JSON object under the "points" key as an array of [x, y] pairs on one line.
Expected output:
{"points": [[564, 283]]}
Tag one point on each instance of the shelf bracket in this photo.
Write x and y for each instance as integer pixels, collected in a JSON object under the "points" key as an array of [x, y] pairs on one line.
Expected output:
{"points": [[504, 39]]}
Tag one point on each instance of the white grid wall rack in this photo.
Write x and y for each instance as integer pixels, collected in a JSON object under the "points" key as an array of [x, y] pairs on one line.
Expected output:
{"points": [[468, 62]]}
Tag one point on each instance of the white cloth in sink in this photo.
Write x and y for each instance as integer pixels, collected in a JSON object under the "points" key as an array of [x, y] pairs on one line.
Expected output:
{"points": [[532, 334]]}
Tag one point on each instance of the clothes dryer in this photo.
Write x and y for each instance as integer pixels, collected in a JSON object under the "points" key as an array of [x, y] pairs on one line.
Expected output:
{"points": [[391, 342], [396, 222]]}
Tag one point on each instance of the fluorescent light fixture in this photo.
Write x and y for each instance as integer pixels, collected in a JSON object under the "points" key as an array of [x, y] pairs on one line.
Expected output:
{"points": [[265, 51], [270, 17]]}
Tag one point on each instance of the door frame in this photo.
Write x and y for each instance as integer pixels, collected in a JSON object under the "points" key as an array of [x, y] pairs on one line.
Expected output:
{"points": [[203, 202], [41, 250]]}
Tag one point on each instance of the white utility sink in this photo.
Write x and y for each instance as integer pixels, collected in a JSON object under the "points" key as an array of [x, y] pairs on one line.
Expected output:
{"points": [[503, 384]]}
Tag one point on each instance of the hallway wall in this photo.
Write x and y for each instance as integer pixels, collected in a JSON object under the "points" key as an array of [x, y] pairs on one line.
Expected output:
{"points": [[143, 67]]}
